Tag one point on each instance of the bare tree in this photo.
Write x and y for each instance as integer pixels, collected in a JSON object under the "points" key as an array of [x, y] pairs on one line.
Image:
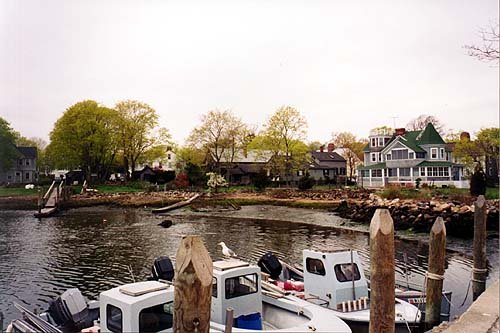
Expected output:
{"points": [[489, 50], [421, 122]]}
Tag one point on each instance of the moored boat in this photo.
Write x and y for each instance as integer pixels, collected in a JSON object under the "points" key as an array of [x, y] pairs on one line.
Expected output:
{"points": [[148, 306]]}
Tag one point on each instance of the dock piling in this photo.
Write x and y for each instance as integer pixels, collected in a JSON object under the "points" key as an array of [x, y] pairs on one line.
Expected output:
{"points": [[434, 275], [193, 287], [382, 310], [480, 270]]}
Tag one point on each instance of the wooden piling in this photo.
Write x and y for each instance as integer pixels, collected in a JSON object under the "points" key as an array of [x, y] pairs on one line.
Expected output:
{"points": [[229, 320], [434, 290], [480, 270], [193, 286], [382, 309]]}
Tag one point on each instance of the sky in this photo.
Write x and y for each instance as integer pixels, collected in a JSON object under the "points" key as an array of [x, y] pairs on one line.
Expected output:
{"points": [[345, 65]]}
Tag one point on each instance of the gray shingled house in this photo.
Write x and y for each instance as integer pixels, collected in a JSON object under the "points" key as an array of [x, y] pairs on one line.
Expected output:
{"points": [[23, 170]]}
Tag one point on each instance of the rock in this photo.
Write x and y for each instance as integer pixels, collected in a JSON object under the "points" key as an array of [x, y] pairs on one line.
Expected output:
{"points": [[165, 223]]}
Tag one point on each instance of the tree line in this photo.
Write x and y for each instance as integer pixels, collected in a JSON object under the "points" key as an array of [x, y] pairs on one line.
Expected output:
{"points": [[100, 140]]}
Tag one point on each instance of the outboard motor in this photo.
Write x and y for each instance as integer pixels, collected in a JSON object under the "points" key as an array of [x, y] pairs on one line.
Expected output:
{"points": [[271, 265], [70, 309], [162, 269]]}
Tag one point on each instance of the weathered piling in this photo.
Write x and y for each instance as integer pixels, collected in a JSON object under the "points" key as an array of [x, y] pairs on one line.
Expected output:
{"points": [[193, 286], [382, 310], [479, 271], [229, 320], [434, 275]]}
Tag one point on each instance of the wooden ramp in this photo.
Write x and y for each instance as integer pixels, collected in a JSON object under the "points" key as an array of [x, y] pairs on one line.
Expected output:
{"points": [[50, 201], [176, 205]]}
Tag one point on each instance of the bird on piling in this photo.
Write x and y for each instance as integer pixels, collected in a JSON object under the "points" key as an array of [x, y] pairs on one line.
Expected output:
{"points": [[227, 252]]}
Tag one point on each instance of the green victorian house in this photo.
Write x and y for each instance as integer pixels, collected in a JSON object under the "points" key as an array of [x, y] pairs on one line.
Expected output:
{"points": [[402, 157]]}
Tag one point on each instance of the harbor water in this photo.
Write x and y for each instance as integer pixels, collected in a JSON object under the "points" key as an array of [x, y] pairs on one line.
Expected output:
{"points": [[98, 248]]}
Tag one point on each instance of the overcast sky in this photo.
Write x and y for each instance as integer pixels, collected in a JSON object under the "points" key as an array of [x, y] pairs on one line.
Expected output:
{"points": [[345, 65]]}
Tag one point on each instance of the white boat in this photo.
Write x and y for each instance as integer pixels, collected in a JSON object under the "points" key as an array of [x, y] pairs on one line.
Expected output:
{"points": [[149, 307], [336, 281]]}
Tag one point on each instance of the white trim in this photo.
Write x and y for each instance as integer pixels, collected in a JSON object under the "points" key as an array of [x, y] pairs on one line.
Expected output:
{"points": [[394, 142], [437, 153]]}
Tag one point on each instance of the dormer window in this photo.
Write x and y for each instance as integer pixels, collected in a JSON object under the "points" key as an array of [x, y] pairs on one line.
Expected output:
{"points": [[374, 142], [380, 142], [434, 153], [441, 153]]}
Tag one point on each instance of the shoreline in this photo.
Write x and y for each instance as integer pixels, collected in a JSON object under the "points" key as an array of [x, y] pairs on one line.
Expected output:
{"points": [[411, 216]]}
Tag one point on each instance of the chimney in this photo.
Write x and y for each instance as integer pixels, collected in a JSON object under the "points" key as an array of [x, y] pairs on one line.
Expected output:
{"points": [[322, 148], [464, 136], [400, 131], [331, 147]]}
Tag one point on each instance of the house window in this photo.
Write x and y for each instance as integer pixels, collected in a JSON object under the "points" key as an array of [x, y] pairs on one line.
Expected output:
{"points": [[169, 156], [438, 172], [27, 162], [386, 140], [404, 172], [388, 157], [422, 172], [441, 153], [315, 266], [342, 171], [434, 153], [400, 154], [420, 155], [20, 162], [27, 175], [374, 157], [381, 142], [377, 173], [9, 177], [326, 172], [392, 172], [374, 142], [18, 173], [411, 155], [380, 157]]}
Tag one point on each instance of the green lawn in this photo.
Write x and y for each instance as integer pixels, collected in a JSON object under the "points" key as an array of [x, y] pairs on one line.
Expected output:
{"points": [[16, 191], [427, 193]]}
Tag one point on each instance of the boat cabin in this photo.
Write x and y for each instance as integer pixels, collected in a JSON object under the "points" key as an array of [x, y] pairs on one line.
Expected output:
{"points": [[334, 278], [137, 307], [237, 285]]}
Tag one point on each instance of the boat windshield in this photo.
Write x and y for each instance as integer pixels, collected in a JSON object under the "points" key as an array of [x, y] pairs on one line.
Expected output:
{"points": [[347, 272], [156, 318], [241, 285]]}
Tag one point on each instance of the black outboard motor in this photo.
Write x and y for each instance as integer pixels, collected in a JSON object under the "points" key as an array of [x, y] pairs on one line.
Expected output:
{"points": [[271, 265], [70, 309], [162, 269]]}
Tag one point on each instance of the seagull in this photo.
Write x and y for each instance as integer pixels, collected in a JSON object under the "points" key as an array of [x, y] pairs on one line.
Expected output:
{"points": [[227, 252]]}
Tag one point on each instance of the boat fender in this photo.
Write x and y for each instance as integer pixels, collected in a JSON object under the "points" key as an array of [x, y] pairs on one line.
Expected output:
{"points": [[343, 306], [348, 306]]}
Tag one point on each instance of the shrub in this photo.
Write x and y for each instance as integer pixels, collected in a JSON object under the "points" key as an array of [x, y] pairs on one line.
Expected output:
{"points": [[195, 174], [478, 182], [182, 180], [261, 181], [306, 182], [417, 182]]}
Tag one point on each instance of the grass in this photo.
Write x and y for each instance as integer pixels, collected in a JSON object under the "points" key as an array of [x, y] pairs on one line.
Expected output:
{"points": [[16, 192]]}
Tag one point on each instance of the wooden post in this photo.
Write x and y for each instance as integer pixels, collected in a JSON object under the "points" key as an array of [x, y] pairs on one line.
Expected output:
{"points": [[229, 320], [193, 286], [382, 295], [39, 200], [480, 270], [434, 290]]}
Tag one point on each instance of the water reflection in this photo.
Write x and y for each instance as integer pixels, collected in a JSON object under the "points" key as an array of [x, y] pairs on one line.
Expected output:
{"points": [[41, 259]]}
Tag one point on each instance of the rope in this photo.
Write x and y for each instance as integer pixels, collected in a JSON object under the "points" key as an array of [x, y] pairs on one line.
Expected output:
{"points": [[433, 276]]}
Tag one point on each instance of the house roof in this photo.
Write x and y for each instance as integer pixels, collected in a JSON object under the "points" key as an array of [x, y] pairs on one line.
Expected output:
{"points": [[429, 136], [373, 166], [327, 156], [249, 156], [437, 163], [28, 152]]}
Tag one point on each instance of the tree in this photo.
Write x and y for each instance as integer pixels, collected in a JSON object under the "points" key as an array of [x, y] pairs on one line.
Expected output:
{"points": [[489, 50], [85, 136], [8, 151], [314, 145], [220, 135], [284, 134], [137, 122], [421, 122], [351, 150]]}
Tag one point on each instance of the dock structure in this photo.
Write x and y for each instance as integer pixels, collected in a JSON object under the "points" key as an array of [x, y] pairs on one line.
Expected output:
{"points": [[48, 204]]}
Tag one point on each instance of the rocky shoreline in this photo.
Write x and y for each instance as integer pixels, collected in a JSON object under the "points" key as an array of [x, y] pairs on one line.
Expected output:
{"points": [[355, 204]]}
